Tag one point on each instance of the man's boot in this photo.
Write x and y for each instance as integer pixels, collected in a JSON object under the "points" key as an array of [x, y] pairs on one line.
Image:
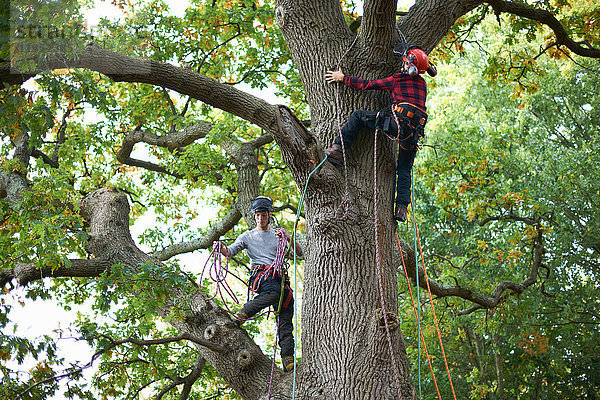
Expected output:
{"points": [[288, 363], [334, 154], [400, 214], [239, 317]]}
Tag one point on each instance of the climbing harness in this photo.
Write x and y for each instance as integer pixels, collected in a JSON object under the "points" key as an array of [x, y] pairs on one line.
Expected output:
{"points": [[276, 270], [412, 116]]}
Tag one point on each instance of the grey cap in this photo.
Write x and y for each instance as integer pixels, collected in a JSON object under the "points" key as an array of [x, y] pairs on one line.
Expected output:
{"points": [[261, 203]]}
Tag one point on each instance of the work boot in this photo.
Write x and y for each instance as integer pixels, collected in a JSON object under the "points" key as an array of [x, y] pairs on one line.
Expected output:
{"points": [[400, 214], [334, 154], [288, 363], [239, 317]]}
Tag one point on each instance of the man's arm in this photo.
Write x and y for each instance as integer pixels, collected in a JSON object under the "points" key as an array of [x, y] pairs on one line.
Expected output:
{"points": [[289, 239], [358, 83], [334, 76], [235, 248], [223, 249]]}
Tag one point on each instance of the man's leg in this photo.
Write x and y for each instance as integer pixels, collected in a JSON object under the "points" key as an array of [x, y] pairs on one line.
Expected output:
{"points": [[286, 333], [404, 167], [359, 119], [269, 293]]}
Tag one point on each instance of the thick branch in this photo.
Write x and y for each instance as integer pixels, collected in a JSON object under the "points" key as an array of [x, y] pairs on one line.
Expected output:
{"points": [[178, 338], [481, 300], [418, 26], [246, 163], [123, 68], [216, 231], [378, 27], [25, 273]]}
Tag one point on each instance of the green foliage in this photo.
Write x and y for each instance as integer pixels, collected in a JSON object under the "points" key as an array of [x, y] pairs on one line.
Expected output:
{"points": [[74, 122], [511, 134], [498, 170]]}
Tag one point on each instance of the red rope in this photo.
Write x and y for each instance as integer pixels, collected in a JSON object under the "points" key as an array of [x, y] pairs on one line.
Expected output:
{"points": [[275, 270], [416, 316], [433, 308], [378, 269], [218, 274]]}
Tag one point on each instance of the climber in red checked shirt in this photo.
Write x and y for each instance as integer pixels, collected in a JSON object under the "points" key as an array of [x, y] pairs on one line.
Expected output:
{"points": [[408, 91]]}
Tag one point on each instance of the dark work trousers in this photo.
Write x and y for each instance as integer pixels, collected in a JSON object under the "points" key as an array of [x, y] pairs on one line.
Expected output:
{"points": [[269, 293], [362, 119]]}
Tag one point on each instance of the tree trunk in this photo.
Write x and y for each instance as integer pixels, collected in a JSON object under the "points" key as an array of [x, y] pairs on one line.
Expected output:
{"points": [[345, 349]]}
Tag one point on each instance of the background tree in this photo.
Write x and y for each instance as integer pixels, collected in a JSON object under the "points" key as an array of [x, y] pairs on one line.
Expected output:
{"points": [[66, 182]]}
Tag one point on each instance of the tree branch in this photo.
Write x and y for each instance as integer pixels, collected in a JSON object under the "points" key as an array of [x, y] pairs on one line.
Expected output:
{"points": [[138, 342], [418, 26], [121, 68], [498, 295], [171, 141], [25, 273], [213, 233], [547, 18], [151, 342]]}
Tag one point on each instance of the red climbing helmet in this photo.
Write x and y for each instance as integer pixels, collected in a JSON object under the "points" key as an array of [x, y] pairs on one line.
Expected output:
{"points": [[418, 58], [418, 62]]}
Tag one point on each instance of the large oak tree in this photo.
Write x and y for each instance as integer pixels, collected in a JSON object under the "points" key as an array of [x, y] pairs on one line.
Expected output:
{"points": [[351, 349]]}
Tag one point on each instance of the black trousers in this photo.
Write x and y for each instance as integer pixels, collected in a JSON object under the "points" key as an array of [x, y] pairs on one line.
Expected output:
{"points": [[362, 119], [269, 293]]}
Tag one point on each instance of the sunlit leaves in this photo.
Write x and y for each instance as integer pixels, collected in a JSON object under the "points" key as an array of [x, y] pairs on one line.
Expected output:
{"points": [[500, 39]]}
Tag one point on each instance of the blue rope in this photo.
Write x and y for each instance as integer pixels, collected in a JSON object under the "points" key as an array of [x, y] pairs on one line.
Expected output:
{"points": [[296, 271], [418, 302]]}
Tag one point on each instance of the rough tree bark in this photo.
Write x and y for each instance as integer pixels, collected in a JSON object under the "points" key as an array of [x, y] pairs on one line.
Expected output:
{"points": [[345, 351]]}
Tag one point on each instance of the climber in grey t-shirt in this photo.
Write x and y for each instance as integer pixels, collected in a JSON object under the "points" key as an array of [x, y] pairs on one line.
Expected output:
{"points": [[261, 245]]}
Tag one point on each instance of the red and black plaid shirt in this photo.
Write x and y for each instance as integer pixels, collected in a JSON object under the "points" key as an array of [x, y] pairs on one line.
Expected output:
{"points": [[404, 88]]}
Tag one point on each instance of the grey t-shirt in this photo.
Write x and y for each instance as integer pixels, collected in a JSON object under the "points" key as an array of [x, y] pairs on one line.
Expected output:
{"points": [[261, 246]]}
